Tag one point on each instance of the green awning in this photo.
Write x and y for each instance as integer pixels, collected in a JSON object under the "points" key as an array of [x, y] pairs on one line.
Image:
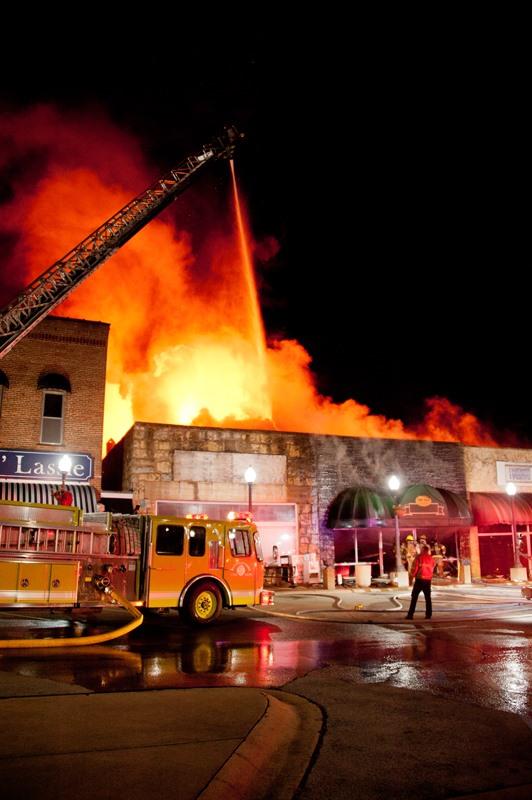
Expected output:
{"points": [[419, 505], [359, 507], [424, 505]]}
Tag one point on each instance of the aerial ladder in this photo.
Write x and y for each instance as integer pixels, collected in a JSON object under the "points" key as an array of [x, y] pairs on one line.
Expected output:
{"points": [[55, 284]]}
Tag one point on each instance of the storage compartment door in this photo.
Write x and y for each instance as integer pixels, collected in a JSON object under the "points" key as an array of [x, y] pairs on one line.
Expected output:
{"points": [[8, 581], [64, 583], [33, 583]]}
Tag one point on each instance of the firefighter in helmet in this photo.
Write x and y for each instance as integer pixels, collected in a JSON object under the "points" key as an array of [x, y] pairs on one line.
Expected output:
{"points": [[408, 552], [438, 554]]}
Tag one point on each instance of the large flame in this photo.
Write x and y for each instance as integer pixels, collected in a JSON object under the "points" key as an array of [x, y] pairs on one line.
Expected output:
{"points": [[187, 344]]}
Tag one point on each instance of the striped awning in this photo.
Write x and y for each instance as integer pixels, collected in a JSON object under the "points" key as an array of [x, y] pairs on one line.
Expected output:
{"points": [[495, 508], [40, 492]]}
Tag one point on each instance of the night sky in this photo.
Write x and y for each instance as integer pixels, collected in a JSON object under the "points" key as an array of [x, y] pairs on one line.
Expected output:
{"points": [[388, 171]]}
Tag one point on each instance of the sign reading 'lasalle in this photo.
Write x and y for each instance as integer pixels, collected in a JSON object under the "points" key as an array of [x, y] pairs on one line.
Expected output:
{"points": [[39, 465]]}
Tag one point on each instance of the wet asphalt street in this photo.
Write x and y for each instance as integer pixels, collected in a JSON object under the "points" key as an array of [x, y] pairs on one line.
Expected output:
{"points": [[484, 662]]}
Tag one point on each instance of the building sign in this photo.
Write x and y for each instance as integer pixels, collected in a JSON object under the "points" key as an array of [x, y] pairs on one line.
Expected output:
{"points": [[515, 473], [42, 466], [424, 509]]}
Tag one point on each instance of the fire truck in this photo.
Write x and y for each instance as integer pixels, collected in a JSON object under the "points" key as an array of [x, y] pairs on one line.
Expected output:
{"points": [[55, 556]]}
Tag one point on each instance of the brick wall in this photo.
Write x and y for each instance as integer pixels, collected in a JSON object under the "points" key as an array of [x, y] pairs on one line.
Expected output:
{"points": [[76, 349], [317, 468]]}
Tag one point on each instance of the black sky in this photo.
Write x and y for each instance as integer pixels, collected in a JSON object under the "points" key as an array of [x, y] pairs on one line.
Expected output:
{"points": [[389, 170]]}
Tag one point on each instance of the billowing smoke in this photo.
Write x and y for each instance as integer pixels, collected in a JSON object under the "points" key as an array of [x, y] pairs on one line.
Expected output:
{"points": [[182, 350]]}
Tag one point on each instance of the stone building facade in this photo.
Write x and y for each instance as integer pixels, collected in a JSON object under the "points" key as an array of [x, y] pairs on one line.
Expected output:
{"points": [[181, 463]]}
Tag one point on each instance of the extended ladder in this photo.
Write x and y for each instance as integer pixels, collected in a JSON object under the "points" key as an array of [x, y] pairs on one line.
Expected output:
{"points": [[56, 283]]}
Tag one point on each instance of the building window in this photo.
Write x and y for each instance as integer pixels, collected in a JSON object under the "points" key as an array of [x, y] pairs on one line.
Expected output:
{"points": [[53, 405], [54, 388]]}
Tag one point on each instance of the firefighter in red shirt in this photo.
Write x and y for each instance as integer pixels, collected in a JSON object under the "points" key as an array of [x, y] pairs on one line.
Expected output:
{"points": [[64, 497], [422, 572]]}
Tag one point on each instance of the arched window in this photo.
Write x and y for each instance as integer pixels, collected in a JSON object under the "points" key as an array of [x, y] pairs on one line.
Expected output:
{"points": [[54, 388], [4, 384]]}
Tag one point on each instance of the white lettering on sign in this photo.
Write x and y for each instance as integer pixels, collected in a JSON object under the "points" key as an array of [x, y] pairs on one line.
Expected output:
{"points": [[42, 465], [19, 470]]}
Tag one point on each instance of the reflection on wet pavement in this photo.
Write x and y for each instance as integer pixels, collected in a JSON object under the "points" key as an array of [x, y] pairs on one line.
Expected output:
{"points": [[471, 661]]}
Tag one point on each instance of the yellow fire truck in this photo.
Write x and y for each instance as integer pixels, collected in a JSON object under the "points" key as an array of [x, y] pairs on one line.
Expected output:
{"points": [[53, 556]]}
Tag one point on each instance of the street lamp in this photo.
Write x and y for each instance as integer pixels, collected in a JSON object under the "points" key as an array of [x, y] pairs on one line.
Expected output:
{"points": [[394, 484], [65, 465], [250, 476], [511, 491], [62, 495]]}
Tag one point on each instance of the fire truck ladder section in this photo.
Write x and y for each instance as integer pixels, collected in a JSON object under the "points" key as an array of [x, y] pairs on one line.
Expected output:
{"points": [[56, 283]]}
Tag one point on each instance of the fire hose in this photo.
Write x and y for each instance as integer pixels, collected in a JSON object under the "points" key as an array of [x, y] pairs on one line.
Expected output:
{"points": [[104, 585]]}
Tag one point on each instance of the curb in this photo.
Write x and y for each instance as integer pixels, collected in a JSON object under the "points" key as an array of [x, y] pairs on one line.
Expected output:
{"points": [[274, 757]]}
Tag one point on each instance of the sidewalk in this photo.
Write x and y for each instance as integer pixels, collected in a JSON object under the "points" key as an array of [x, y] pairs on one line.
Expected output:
{"points": [[219, 743]]}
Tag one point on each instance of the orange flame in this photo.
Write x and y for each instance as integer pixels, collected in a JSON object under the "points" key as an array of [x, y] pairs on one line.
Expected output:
{"points": [[183, 350]]}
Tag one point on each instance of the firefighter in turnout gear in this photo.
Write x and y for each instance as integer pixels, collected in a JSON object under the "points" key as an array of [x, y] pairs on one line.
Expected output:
{"points": [[408, 554], [438, 553]]}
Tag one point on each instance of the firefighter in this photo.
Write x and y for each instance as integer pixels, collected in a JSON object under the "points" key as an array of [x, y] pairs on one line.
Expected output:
{"points": [[64, 497], [408, 553], [422, 571], [438, 553]]}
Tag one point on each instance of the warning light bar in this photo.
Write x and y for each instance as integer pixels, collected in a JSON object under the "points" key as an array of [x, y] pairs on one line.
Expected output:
{"points": [[197, 516], [241, 516]]}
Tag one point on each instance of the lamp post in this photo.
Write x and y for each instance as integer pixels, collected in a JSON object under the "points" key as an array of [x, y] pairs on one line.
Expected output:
{"points": [[250, 476], [65, 465], [62, 495], [511, 491], [394, 484]]}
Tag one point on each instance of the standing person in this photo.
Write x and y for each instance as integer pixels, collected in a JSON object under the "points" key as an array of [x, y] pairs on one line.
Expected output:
{"points": [[410, 553], [64, 497], [438, 552], [422, 573]]}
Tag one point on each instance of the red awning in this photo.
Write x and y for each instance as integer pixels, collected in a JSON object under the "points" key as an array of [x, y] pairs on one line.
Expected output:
{"points": [[496, 508]]}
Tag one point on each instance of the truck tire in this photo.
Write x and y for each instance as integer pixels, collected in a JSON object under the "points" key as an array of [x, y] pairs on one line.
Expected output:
{"points": [[203, 603]]}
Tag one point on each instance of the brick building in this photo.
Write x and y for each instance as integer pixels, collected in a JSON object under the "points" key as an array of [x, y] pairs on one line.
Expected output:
{"points": [[52, 403]]}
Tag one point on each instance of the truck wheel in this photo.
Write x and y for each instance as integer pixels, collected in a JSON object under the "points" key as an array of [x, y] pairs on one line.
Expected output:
{"points": [[203, 603]]}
